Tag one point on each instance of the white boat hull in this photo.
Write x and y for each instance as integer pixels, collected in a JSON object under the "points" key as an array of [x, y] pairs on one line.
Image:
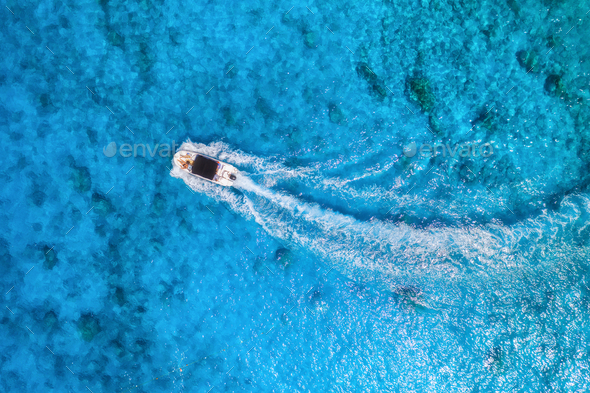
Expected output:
{"points": [[202, 166]]}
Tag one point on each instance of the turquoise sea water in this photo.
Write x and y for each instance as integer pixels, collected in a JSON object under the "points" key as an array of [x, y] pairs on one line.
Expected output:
{"points": [[338, 262]]}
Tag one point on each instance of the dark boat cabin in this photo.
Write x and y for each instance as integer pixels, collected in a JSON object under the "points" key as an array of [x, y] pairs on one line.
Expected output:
{"points": [[205, 167]]}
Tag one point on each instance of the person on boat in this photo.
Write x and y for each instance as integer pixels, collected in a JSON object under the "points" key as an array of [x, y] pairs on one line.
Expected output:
{"points": [[186, 162], [187, 159]]}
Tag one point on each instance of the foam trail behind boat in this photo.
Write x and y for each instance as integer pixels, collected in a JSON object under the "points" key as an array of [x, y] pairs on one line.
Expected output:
{"points": [[370, 250], [397, 254]]}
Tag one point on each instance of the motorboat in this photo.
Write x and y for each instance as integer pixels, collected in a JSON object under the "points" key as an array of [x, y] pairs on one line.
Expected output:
{"points": [[205, 167]]}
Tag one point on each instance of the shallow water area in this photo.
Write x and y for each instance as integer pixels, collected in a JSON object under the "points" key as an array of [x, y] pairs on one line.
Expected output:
{"points": [[367, 245]]}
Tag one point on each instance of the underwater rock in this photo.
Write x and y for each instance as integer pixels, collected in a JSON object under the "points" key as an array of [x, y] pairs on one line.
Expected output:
{"points": [[140, 346], [64, 22], [92, 135], [363, 70], [180, 296], [410, 297], [102, 228], [484, 119], [292, 162], [258, 265], [45, 100], [231, 70], [166, 291], [419, 91], [528, 60], [376, 84], [38, 197], [434, 123], [43, 129], [501, 172], [88, 327], [118, 348], [336, 115], [115, 39], [284, 318], [513, 5], [145, 59], [119, 296], [284, 257], [409, 292], [102, 205], [157, 244], [379, 89], [5, 257], [316, 297], [159, 204], [264, 108], [553, 41], [140, 311], [309, 94], [294, 137], [50, 320], [490, 31], [554, 85], [494, 359], [50, 257], [17, 136], [466, 174], [319, 142], [228, 116], [309, 39], [175, 35], [82, 179], [113, 250], [288, 19], [317, 303]]}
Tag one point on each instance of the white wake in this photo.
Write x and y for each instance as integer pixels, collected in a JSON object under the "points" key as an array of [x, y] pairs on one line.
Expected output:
{"points": [[393, 254]]}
